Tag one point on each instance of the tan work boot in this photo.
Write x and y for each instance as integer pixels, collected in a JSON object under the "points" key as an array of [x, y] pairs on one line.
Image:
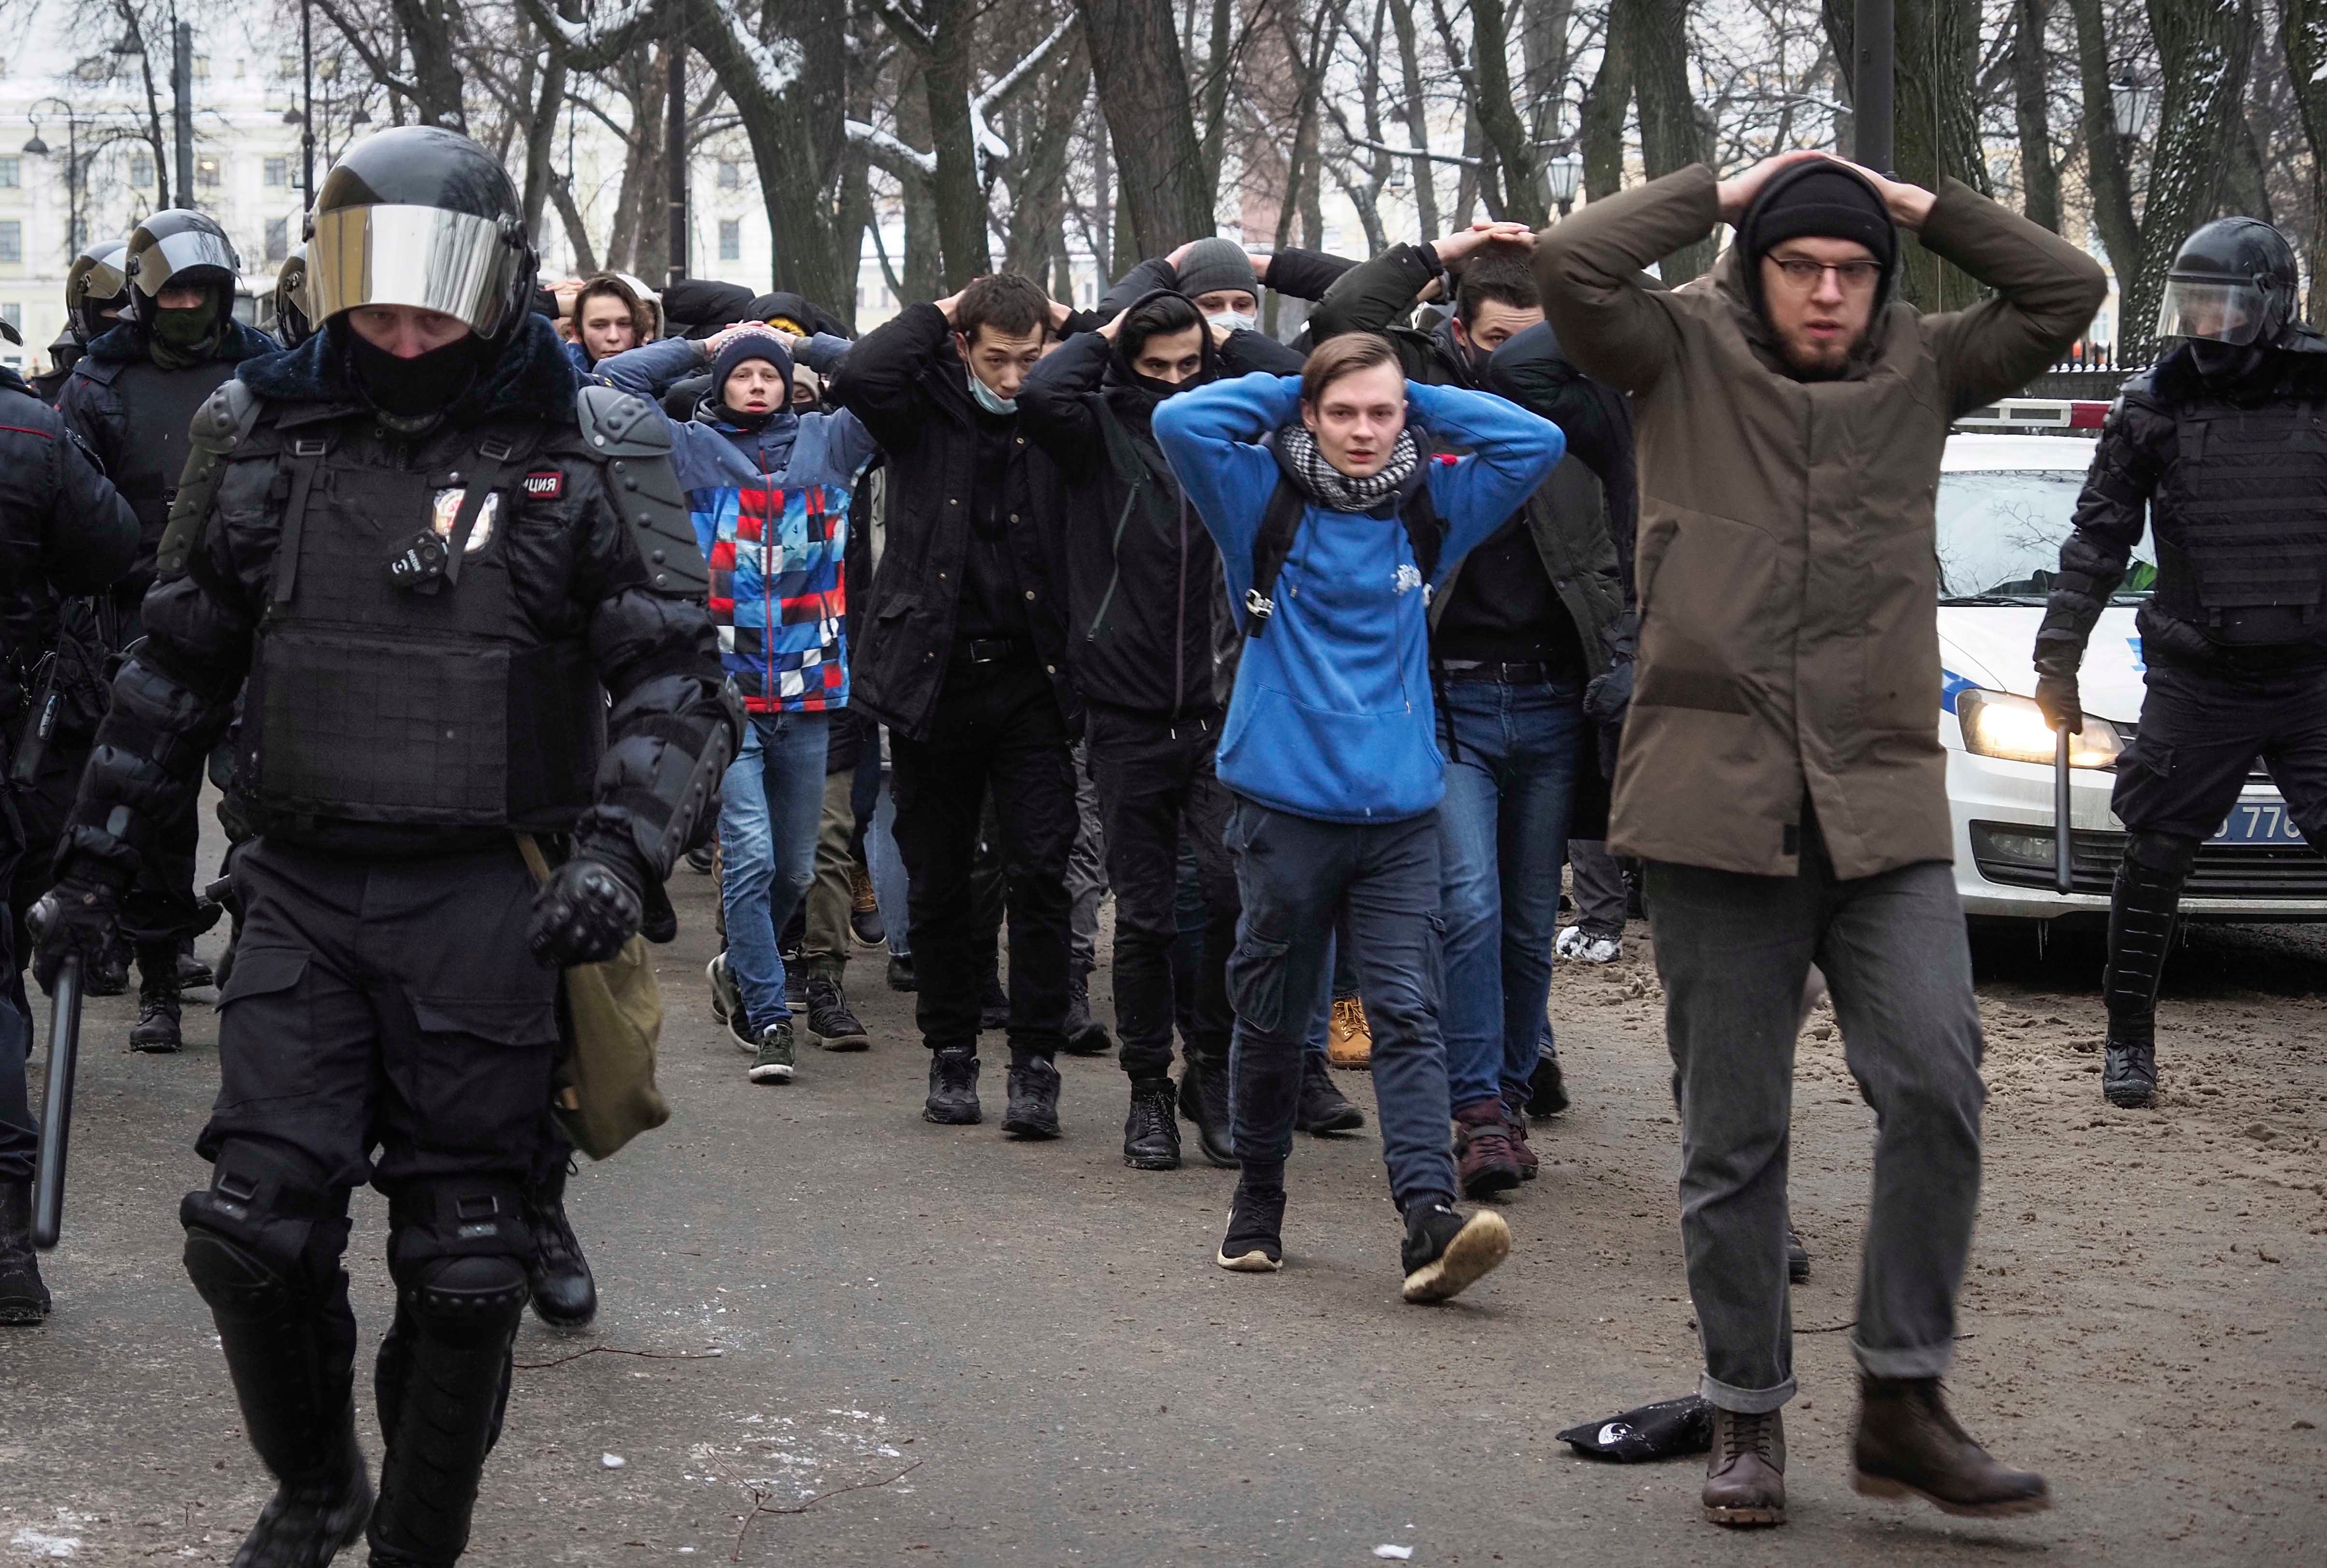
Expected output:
{"points": [[1745, 1475], [1349, 1038], [1907, 1444]]}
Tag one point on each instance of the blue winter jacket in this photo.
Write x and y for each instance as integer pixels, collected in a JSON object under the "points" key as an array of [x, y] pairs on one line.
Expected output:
{"points": [[1332, 716], [770, 510]]}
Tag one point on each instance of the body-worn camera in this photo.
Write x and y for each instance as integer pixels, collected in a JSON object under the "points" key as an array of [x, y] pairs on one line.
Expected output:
{"points": [[419, 566]]}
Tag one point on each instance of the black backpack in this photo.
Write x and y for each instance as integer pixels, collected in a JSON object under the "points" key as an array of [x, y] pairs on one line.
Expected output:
{"points": [[1425, 532]]}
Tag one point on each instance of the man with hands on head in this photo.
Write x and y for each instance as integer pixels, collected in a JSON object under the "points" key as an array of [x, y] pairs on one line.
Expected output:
{"points": [[1226, 281], [964, 656], [1780, 772]]}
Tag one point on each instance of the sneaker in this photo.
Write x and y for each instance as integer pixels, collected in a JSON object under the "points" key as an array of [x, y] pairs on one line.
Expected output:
{"points": [[953, 1088], [2129, 1074], [1445, 1253], [864, 921], [1798, 1258], [1151, 1132], [1323, 1108], [1908, 1445], [1515, 1122], [1253, 1244], [830, 1024], [727, 1003], [1547, 1087], [156, 1028], [1034, 1109], [1205, 1100], [795, 982], [1484, 1163], [773, 1064], [993, 1004], [1745, 1473], [1576, 943], [1086, 1035], [1349, 1038], [900, 973]]}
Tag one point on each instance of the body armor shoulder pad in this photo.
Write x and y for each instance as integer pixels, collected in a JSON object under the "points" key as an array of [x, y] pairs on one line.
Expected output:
{"points": [[618, 424], [628, 436], [219, 425]]}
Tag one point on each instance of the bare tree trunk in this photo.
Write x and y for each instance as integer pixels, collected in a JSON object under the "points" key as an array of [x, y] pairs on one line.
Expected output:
{"points": [[924, 266], [541, 132], [2303, 33], [1044, 139], [1143, 90], [577, 232], [1218, 78], [2105, 152], [1601, 130], [2202, 52], [429, 28], [1486, 73], [640, 239], [2040, 179], [946, 82], [1416, 117], [1937, 135], [1671, 137]]}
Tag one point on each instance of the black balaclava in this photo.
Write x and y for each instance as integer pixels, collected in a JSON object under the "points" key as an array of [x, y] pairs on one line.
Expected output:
{"points": [[2225, 364], [178, 339], [1207, 369], [411, 389]]}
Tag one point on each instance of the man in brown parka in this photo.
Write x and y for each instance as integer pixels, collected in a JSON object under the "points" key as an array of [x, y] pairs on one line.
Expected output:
{"points": [[1781, 770]]}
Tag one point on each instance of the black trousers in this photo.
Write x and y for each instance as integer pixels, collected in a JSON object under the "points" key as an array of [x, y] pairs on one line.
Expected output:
{"points": [[2200, 733], [999, 729], [1155, 782]]}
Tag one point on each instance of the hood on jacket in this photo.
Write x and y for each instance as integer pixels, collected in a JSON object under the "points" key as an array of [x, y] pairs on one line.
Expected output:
{"points": [[810, 317], [1126, 390], [124, 344], [533, 377]]}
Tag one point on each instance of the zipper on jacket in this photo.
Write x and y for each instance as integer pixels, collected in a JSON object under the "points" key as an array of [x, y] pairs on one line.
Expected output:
{"points": [[1180, 621]]}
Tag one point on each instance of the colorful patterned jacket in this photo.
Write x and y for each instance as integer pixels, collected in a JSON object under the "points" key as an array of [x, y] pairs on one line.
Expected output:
{"points": [[770, 510]]}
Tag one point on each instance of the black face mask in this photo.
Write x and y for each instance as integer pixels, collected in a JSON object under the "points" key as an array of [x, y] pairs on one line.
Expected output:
{"points": [[407, 388], [2224, 361], [1157, 388]]}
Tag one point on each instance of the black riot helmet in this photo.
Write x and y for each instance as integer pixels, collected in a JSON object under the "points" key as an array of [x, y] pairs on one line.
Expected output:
{"points": [[291, 327], [180, 248], [98, 283], [2232, 281], [421, 216]]}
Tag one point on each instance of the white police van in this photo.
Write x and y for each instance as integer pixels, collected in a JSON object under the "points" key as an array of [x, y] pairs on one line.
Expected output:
{"points": [[2005, 501]]}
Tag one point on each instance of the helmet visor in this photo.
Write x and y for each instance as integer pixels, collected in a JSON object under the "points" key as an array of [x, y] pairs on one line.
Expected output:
{"points": [[93, 281], [173, 255], [2216, 310], [423, 256]]}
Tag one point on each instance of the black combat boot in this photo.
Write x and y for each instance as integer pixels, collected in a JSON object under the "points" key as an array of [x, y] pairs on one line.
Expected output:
{"points": [[443, 1382], [110, 976], [1033, 1108], [1324, 1108], [1151, 1132], [1086, 1035], [565, 1296], [1205, 1100], [156, 1028], [23, 1299], [2142, 907], [953, 1088]]}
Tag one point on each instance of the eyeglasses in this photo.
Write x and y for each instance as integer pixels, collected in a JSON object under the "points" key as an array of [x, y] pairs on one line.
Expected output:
{"points": [[1803, 274]]}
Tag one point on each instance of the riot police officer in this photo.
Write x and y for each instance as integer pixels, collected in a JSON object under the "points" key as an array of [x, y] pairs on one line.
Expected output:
{"points": [[63, 531], [2221, 443], [466, 595], [96, 291], [131, 398], [291, 327]]}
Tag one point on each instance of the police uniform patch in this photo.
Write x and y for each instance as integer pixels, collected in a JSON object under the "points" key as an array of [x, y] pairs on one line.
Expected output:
{"points": [[545, 487], [446, 507]]}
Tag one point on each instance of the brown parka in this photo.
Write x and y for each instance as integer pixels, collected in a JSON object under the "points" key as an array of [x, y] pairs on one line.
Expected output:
{"points": [[1787, 578]]}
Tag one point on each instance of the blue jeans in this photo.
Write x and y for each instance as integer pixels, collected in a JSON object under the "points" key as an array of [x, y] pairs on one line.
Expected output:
{"points": [[887, 869], [1295, 875], [1511, 756], [770, 810]]}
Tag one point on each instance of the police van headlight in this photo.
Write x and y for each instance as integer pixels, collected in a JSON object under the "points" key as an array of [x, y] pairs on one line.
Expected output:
{"points": [[1998, 724]]}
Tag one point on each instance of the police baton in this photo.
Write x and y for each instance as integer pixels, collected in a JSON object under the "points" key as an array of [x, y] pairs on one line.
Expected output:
{"points": [[2065, 880], [56, 1113]]}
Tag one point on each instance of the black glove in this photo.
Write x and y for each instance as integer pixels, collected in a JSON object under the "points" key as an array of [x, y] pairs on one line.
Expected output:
{"points": [[583, 913], [2057, 698], [1607, 695], [81, 915]]}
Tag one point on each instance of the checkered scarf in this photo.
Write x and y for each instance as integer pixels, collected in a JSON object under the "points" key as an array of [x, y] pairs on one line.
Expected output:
{"points": [[1330, 487]]}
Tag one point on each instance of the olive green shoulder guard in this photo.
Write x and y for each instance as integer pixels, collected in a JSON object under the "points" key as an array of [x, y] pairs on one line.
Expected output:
{"points": [[219, 425], [628, 436]]}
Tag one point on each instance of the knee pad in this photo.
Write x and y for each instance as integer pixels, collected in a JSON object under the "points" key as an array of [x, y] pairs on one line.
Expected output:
{"points": [[2165, 854], [457, 1249], [269, 1230], [466, 1303]]}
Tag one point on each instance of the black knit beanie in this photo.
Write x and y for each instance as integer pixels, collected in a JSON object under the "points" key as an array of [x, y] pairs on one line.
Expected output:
{"points": [[1822, 197]]}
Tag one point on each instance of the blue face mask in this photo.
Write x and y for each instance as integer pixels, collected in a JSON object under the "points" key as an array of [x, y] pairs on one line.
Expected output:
{"points": [[988, 399]]}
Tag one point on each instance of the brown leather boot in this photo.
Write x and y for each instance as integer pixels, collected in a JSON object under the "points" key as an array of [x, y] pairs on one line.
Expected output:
{"points": [[1907, 1444], [1745, 1475]]}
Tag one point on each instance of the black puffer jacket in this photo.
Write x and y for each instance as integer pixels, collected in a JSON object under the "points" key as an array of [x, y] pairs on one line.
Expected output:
{"points": [[573, 566], [911, 390], [64, 531], [1151, 627]]}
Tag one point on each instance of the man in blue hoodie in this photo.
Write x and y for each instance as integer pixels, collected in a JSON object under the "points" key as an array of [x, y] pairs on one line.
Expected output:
{"points": [[769, 490], [1333, 523]]}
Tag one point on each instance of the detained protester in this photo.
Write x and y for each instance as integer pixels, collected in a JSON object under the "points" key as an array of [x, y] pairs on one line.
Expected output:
{"points": [[131, 398], [1781, 773], [965, 658], [96, 291], [1333, 524], [2218, 448], [64, 533], [1153, 654], [769, 492], [1536, 613], [606, 318], [1227, 282], [393, 1017]]}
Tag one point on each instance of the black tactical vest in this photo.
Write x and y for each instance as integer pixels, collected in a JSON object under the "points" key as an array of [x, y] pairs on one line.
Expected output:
{"points": [[2242, 522], [371, 703], [158, 405]]}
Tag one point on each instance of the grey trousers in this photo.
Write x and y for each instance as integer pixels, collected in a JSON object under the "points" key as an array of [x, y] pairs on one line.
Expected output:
{"points": [[1085, 868], [1734, 953], [1600, 896]]}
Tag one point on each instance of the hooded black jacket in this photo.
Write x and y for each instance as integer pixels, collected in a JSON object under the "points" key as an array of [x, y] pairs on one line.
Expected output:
{"points": [[64, 531], [1150, 624]]}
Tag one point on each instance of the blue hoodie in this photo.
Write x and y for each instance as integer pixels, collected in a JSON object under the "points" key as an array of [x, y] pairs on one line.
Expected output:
{"points": [[770, 507], [1332, 717]]}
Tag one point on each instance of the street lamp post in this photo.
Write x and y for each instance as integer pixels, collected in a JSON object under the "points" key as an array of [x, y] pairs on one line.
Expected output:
{"points": [[2130, 103], [38, 148], [181, 100], [1565, 174], [306, 101]]}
